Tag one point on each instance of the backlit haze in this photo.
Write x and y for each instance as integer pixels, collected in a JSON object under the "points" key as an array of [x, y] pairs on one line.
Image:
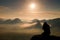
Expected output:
{"points": [[29, 9], [21, 19]]}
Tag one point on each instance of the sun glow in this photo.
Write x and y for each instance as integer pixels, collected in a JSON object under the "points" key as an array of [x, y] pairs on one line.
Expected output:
{"points": [[32, 6]]}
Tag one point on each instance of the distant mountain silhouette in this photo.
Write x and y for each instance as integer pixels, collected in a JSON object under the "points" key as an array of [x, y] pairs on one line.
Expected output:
{"points": [[16, 20], [9, 21], [38, 24], [54, 22], [46, 34]]}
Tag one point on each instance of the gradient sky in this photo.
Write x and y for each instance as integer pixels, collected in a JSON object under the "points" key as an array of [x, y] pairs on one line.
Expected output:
{"points": [[46, 9]]}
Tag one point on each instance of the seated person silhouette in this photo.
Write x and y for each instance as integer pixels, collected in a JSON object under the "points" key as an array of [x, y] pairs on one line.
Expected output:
{"points": [[44, 35], [46, 29]]}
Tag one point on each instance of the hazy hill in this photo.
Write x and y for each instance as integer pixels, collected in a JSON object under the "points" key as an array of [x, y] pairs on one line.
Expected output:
{"points": [[10, 21]]}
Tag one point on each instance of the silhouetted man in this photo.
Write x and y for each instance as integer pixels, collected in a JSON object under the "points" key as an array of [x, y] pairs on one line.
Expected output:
{"points": [[45, 34], [46, 29]]}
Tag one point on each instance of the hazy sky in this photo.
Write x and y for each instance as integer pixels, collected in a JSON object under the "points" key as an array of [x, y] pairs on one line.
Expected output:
{"points": [[44, 9]]}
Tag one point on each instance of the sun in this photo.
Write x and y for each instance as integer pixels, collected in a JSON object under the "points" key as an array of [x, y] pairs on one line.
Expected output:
{"points": [[32, 6]]}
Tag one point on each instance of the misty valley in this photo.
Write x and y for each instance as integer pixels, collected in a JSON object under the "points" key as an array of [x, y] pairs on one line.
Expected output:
{"points": [[17, 29], [29, 19]]}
